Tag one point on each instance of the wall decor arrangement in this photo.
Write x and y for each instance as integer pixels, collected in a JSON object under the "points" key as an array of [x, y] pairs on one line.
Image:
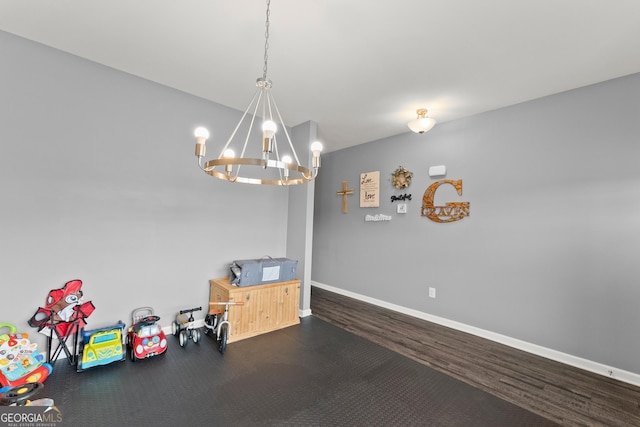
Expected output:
{"points": [[344, 193], [451, 211], [401, 178], [370, 189]]}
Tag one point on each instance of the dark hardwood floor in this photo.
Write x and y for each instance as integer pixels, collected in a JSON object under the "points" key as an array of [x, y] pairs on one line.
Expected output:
{"points": [[561, 393]]}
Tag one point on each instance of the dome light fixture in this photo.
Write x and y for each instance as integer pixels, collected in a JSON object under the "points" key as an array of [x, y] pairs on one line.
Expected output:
{"points": [[423, 123], [271, 168]]}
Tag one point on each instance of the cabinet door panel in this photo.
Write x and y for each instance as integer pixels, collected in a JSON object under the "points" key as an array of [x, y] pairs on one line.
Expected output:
{"points": [[266, 307]]}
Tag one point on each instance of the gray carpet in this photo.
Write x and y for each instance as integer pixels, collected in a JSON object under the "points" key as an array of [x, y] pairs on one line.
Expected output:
{"points": [[312, 374]]}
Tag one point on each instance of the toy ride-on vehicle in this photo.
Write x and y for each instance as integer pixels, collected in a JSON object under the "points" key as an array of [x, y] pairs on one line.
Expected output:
{"points": [[21, 396], [184, 327], [101, 346], [217, 321], [145, 337]]}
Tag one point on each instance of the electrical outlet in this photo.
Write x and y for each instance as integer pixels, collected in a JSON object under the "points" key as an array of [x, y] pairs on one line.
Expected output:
{"points": [[432, 292]]}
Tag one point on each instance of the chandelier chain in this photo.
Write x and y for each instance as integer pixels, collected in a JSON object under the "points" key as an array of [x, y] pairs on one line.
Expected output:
{"points": [[266, 41]]}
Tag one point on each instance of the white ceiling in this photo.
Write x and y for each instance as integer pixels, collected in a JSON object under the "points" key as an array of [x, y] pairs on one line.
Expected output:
{"points": [[358, 68]]}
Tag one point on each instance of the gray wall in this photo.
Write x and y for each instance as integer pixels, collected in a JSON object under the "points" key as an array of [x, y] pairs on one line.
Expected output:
{"points": [[549, 254], [99, 182]]}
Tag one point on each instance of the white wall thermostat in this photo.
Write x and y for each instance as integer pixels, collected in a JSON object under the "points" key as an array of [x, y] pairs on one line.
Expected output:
{"points": [[438, 170]]}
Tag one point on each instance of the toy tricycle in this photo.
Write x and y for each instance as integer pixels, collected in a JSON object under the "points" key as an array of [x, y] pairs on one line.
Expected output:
{"points": [[184, 327], [221, 327]]}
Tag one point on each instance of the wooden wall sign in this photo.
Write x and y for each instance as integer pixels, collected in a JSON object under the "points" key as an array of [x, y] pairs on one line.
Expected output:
{"points": [[377, 218], [344, 193], [451, 211], [370, 189]]}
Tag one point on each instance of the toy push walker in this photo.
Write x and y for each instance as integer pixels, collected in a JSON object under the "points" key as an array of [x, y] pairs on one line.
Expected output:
{"points": [[221, 327], [20, 361], [184, 327]]}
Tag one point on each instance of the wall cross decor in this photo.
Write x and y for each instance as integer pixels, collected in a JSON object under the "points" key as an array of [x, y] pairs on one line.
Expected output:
{"points": [[344, 193]]}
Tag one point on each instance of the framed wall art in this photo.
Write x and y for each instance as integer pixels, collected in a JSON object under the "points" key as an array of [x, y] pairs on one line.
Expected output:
{"points": [[370, 189]]}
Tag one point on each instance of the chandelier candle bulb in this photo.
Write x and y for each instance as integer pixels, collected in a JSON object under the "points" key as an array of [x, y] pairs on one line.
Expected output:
{"points": [[287, 160], [201, 135], [228, 154], [269, 128], [316, 148]]}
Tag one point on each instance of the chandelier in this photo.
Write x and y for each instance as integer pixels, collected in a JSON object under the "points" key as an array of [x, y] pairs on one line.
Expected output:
{"points": [[273, 167]]}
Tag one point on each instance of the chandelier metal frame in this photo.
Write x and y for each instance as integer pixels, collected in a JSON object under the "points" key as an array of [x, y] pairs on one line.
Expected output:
{"points": [[262, 104]]}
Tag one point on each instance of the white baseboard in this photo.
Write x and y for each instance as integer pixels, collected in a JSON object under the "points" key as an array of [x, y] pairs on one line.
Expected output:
{"points": [[567, 359], [304, 313]]}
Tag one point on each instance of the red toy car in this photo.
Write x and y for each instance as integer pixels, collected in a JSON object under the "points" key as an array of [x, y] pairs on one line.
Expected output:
{"points": [[145, 337]]}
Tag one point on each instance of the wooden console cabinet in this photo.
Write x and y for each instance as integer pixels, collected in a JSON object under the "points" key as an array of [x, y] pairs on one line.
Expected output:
{"points": [[266, 307]]}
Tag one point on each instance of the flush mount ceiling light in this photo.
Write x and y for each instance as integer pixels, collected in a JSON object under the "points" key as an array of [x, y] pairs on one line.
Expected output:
{"points": [[271, 168], [423, 123]]}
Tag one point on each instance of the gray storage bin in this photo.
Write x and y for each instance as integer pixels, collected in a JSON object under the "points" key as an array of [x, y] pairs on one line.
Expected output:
{"points": [[251, 272]]}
